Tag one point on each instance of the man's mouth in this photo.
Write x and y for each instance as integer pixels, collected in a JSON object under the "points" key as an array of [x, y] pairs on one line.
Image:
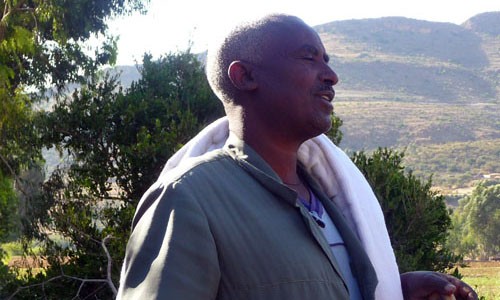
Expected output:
{"points": [[327, 95]]}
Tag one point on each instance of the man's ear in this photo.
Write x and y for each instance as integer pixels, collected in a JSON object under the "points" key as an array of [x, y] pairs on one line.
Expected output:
{"points": [[241, 75]]}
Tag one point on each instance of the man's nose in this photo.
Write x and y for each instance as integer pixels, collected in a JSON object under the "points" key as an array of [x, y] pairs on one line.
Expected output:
{"points": [[329, 76]]}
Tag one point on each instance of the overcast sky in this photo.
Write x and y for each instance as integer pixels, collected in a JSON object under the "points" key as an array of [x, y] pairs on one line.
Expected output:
{"points": [[171, 25]]}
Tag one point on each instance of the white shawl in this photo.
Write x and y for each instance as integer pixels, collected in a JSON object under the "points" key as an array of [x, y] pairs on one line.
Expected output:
{"points": [[341, 181]]}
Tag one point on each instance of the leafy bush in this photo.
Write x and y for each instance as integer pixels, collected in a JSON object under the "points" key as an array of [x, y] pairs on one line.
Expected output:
{"points": [[476, 223], [416, 217], [116, 143]]}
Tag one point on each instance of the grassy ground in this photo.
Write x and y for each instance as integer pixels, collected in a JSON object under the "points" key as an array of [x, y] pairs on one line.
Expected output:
{"points": [[484, 277]]}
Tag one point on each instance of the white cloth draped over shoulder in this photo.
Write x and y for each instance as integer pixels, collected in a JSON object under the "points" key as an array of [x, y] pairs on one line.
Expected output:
{"points": [[341, 181]]}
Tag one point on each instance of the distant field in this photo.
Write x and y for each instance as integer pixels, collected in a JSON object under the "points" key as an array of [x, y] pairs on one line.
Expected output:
{"points": [[484, 277], [455, 165], [391, 123], [455, 143]]}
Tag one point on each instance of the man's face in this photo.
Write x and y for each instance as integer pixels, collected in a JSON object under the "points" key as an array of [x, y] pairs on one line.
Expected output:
{"points": [[296, 82]]}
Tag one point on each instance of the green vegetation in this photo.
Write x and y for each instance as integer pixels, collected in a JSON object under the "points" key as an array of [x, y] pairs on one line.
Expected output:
{"points": [[476, 223], [416, 217], [484, 277], [8, 209], [118, 142], [42, 44], [114, 141], [13, 249]]}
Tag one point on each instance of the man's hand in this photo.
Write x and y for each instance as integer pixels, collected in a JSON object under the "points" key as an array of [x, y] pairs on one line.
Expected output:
{"points": [[427, 285]]}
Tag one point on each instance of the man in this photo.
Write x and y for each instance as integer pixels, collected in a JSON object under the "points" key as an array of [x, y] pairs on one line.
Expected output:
{"points": [[248, 220]]}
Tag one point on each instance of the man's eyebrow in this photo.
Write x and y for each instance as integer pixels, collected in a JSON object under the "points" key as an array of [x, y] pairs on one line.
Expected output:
{"points": [[313, 50]]}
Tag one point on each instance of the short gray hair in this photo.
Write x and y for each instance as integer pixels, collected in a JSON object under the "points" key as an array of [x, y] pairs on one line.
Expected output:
{"points": [[247, 41]]}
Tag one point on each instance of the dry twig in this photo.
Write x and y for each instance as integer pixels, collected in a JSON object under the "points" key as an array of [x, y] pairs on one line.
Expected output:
{"points": [[83, 281]]}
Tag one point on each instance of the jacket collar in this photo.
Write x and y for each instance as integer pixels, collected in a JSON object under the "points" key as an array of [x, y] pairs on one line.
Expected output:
{"points": [[258, 168]]}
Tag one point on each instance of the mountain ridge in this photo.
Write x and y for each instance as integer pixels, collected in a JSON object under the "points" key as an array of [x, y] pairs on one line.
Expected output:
{"points": [[414, 84]]}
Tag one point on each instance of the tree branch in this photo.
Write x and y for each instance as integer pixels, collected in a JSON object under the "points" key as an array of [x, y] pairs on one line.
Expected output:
{"points": [[9, 10], [110, 262], [5, 9], [83, 281], [42, 284]]}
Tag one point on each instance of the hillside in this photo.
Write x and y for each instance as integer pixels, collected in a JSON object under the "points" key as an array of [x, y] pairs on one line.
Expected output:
{"points": [[427, 87], [440, 61]]}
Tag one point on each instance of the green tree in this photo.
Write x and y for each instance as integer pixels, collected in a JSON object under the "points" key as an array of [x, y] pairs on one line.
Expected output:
{"points": [[462, 239], [8, 207], [44, 42], [18, 149], [18, 152], [476, 223], [117, 142], [44, 45], [416, 217], [485, 218]]}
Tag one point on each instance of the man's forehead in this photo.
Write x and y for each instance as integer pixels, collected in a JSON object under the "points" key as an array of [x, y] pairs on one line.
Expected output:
{"points": [[298, 37]]}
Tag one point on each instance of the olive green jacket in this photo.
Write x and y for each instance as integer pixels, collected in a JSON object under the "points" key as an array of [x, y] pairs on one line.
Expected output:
{"points": [[224, 226]]}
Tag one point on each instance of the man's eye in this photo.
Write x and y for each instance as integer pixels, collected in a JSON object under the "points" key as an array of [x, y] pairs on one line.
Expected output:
{"points": [[308, 58]]}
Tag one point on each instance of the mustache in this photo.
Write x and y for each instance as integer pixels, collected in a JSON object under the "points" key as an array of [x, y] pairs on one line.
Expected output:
{"points": [[326, 88]]}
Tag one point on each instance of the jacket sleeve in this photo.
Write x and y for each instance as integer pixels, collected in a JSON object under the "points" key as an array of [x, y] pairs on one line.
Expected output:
{"points": [[171, 253]]}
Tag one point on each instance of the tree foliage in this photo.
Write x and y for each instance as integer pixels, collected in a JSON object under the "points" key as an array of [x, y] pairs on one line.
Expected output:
{"points": [[416, 217], [44, 44], [18, 150], [476, 223], [116, 142], [18, 153], [8, 208], [17, 135]]}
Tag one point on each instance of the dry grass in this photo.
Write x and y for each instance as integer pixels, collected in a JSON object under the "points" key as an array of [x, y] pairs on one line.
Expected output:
{"points": [[27, 262], [484, 277], [456, 143]]}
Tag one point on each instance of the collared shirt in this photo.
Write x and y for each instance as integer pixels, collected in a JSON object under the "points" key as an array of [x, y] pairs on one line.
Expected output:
{"points": [[335, 241]]}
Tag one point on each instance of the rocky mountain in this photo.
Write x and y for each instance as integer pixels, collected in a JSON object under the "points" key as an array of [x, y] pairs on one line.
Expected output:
{"points": [[436, 62], [432, 89]]}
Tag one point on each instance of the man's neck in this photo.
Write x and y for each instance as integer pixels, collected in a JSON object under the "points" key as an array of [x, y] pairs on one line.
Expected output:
{"points": [[278, 152]]}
